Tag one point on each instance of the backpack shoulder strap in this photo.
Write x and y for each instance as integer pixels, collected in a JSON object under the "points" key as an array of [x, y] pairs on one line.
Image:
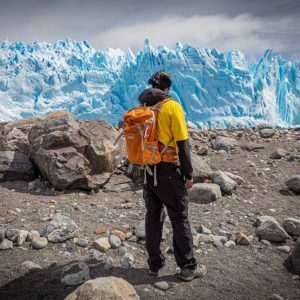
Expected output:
{"points": [[160, 103]]}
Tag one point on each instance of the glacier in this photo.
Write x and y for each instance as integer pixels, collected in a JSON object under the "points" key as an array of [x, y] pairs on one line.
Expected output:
{"points": [[215, 88]]}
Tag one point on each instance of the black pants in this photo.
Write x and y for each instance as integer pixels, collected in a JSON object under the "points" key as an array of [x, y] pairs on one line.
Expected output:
{"points": [[171, 192]]}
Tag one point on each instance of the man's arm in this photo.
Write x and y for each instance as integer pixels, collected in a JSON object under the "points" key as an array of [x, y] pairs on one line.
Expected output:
{"points": [[185, 158]]}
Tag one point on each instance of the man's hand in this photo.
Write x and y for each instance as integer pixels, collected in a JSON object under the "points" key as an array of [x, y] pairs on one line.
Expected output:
{"points": [[188, 184]]}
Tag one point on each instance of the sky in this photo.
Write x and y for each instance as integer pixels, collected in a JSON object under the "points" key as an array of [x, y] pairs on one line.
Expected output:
{"points": [[250, 26]]}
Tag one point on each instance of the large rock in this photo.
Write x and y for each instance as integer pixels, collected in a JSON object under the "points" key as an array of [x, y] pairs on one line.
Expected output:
{"points": [[75, 274], [224, 143], [73, 154], [14, 135], [226, 184], [294, 184], [60, 229], [270, 230], [251, 146], [15, 166], [295, 257], [292, 226], [266, 132], [201, 170], [204, 193], [104, 288]]}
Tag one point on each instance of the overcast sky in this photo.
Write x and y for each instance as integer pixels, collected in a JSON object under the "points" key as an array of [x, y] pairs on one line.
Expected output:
{"points": [[250, 26]]}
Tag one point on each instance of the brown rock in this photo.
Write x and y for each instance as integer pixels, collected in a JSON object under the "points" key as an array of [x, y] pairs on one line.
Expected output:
{"points": [[100, 230], [242, 239], [102, 244], [120, 234], [29, 267]]}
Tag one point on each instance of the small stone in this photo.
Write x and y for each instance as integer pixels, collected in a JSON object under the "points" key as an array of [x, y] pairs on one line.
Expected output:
{"points": [[293, 184], [82, 242], [169, 250], [11, 212], [75, 274], [219, 238], [18, 210], [284, 249], [115, 241], [218, 244], [266, 132], [140, 230], [271, 230], [275, 297], [29, 267], [95, 254], [102, 244], [266, 243], [206, 238], [292, 226], [203, 229], [22, 237], [242, 239], [196, 239], [39, 242], [229, 244], [6, 244], [2, 234], [127, 260], [119, 234], [122, 250], [32, 234], [100, 230], [202, 151], [226, 184], [296, 277], [162, 285], [128, 235]]}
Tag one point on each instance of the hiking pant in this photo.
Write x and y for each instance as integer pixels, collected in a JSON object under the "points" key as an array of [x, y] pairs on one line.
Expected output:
{"points": [[170, 191]]}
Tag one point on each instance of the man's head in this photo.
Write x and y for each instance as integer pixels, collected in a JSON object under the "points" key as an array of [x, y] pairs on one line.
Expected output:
{"points": [[161, 80]]}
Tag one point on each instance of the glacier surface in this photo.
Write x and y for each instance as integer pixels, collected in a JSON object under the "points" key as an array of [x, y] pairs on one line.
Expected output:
{"points": [[216, 89]]}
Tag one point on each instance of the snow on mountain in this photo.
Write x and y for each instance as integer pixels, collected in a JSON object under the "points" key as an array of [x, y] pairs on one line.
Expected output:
{"points": [[216, 89]]}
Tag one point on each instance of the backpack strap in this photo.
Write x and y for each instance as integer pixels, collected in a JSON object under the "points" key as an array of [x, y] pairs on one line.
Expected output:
{"points": [[160, 103], [167, 145]]}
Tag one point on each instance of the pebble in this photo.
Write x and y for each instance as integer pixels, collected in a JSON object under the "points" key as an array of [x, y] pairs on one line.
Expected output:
{"points": [[162, 285], [28, 267], [242, 239], [100, 230], [39, 242], [127, 260], [119, 234], [115, 241], [12, 234], [102, 244], [230, 244], [82, 242], [275, 297], [265, 242], [284, 249], [122, 250], [218, 244]]}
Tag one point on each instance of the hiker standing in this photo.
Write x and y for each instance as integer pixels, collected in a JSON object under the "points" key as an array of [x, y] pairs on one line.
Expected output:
{"points": [[166, 183]]}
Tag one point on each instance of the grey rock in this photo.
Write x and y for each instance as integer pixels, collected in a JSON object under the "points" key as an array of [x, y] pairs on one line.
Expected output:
{"points": [[266, 243], [162, 285], [6, 245], [218, 244], [15, 166], [294, 184], [295, 256], [224, 143], [230, 244], [82, 242], [60, 229], [219, 238], [95, 254], [275, 297], [12, 234], [122, 250], [22, 236], [262, 219], [238, 179], [206, 238], [2, 234], [32, 234], [115, 241], [39, 242], [127, 260], [271, 231], [292, 226], [204, 193], [226, 184], [203, 229], [75, 274], [284, 249], [278, 153], [201, 170], [266, 132], [250, 146], [225, 233]]}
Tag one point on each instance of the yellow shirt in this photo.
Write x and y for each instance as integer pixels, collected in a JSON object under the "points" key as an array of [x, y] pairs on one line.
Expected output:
{"points": [[171, 123]]}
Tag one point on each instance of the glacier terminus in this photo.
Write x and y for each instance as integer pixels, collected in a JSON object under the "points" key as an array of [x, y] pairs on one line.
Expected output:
{"points": [[215, 88]]}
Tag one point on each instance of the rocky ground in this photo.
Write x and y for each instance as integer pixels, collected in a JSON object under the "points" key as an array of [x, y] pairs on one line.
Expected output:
{"points": [[243, 262]]}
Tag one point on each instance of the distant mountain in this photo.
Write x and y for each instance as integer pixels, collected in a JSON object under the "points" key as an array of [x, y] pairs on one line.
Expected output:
{"points": [[216, 89]]}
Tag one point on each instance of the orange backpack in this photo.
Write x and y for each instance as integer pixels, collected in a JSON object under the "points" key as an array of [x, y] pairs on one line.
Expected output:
{"points": [[142, 144]]}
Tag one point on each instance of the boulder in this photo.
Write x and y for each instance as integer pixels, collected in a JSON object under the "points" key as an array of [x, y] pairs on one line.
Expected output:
{"points": [[271, 231], [104, 288], [262, 219], [293, 184], [226, 184], [295, 256], [204, 193], [60, 229], [73, 154], [201, 170], [29, 267], [292, 226], [238, 179], [250, 146], [6, 245], [15, 166], [224, 143]]}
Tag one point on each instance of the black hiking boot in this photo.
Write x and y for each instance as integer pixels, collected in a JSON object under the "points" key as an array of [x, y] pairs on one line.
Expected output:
{"points": [[188, 275]]}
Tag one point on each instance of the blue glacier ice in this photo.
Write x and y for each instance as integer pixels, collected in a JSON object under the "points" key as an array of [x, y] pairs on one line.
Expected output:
{"points": [[215, 88]]}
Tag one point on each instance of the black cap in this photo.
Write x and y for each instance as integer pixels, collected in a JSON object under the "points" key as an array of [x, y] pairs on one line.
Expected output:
{"points": [[160, 80]]}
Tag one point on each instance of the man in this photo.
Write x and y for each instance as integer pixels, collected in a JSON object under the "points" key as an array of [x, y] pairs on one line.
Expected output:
{"points": [[172, 184]]}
